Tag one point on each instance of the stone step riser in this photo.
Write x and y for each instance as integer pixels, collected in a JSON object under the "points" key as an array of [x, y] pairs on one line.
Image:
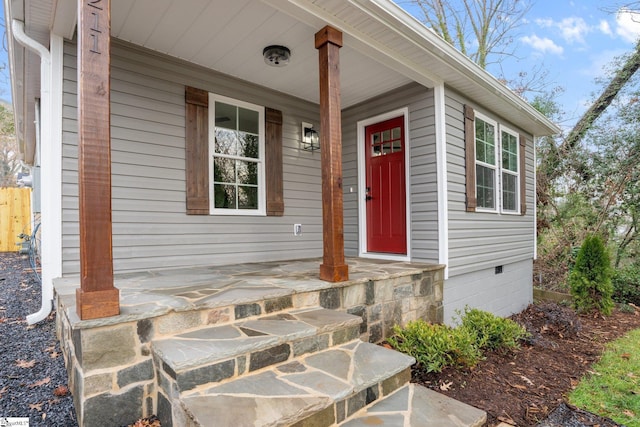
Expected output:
{"points": [[313, 390], [206, 375], [219, 353]]}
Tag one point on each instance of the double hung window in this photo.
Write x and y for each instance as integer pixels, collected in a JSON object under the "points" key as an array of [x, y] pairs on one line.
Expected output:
{"points": [[236, 150], [497, 163]]}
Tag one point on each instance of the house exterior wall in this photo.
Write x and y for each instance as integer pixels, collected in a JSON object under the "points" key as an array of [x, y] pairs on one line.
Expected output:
{"points": [[422, 192], [150, 226], [481, 241], [502, 294]]}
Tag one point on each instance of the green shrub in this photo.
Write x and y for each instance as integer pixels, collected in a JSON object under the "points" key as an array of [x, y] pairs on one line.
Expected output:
{"points": [[626, 285], [490, 331], [436, 346], [590, 279]]}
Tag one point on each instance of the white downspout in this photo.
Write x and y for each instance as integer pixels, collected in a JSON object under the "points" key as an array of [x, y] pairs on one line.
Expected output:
{"points": [[50, 140]]}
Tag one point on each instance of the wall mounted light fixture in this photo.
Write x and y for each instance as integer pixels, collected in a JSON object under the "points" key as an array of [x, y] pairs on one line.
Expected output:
{"points": [[310, 138], [276, 56]]}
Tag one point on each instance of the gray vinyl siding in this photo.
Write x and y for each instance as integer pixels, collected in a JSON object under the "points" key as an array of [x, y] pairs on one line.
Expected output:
{"points": [[423, 189], [150, 226], [479, 240]]}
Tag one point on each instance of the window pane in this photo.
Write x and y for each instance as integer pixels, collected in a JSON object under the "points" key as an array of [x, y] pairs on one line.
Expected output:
{"points": [[386, 148], [226, 116], [397, 146], [248, 145], [247, 197], [247, 172], [509, 152], [485, 187], [375, 138], [248, 121], [509, 192], [485, 142], [386, 135], [375, 150], [395, 133], [224, 170], [225, 196], [226, 142]]}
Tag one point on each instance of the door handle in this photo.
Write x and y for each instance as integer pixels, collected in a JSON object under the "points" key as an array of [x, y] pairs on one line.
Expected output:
{"points": [[367, 196]]}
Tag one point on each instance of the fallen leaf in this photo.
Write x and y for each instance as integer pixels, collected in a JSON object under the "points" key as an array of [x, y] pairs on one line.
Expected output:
{"points": [[527, 380], [50, 349], [40, 383], [24, 364], [385, 345], [61, 390], [625, 356], [519, 387], [44, 416], [445, 386], [54, 354], [628, 413], [3, 391], [36, 406], [631, 375]]}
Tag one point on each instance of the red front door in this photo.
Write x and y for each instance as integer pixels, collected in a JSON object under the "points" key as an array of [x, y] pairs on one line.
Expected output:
{"points": [[385, 191]]}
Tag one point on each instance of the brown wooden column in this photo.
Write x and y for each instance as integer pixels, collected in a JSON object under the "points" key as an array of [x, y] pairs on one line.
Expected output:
{"points": [[333, 267], [97, 297]]}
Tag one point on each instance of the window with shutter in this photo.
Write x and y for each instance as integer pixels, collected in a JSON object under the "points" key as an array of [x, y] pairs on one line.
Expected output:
{"points": [[495, 166], [229, 146]]}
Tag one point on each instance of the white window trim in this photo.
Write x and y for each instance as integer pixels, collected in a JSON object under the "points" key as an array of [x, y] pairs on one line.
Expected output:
{"points": [[495, 167], [261, 211], [518, 175]]}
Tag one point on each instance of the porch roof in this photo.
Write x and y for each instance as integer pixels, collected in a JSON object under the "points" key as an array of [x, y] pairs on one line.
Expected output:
{"points": [[384, 48], [154, 293]]}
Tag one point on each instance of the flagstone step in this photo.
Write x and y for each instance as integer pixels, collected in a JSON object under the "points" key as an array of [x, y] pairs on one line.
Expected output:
{"points": [[415, 405], [215, 353], [319, 389]]}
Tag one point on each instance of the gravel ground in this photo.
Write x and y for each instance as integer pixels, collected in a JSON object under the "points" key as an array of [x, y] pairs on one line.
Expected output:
{"points": [[33, 378]]}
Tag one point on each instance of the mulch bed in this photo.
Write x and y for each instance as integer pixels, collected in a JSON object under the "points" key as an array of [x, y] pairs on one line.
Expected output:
{"points": [[528, 386]]}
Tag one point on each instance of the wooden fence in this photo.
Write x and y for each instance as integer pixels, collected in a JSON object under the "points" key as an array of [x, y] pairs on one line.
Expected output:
{"points": [[15, 216]]}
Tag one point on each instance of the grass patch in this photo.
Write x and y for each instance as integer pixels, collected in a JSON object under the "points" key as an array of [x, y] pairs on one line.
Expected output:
{"points": [[613, 388]]}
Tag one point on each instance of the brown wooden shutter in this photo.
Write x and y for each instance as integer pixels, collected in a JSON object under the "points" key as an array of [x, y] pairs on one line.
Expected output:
{"points": [[197, 151], [273, 162], [470, 158], [523, 175]]}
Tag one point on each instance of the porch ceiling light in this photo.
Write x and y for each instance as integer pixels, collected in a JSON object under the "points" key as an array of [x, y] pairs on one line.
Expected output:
{"points": [[276, 56], [310, 137]]}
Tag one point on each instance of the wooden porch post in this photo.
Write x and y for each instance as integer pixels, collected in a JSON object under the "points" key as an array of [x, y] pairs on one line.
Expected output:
{"points": [[97, 297], [333, 268]]}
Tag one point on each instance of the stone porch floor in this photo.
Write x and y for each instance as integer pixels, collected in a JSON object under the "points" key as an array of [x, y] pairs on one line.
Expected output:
{"points": [[154, 293]]}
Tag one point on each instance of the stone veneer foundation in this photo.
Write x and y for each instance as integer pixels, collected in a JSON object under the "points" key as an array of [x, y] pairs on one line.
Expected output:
{"points": [[112, 374]]}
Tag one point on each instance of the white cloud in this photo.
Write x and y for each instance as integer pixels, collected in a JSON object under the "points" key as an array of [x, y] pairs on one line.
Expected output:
{"points": [[605, 28], [543, 45], [572, 29], [628, 25]]}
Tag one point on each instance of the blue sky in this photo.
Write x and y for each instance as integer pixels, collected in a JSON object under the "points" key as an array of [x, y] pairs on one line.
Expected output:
{"points": [[573, 40]]}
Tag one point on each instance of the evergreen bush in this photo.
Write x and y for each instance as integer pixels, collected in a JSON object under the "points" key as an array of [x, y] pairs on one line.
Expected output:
{"points": [[436, 346], [590, 278], [490, 331]]}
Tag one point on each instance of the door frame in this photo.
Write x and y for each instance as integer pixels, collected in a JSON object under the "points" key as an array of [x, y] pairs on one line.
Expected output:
{"points": [[362, 183]]}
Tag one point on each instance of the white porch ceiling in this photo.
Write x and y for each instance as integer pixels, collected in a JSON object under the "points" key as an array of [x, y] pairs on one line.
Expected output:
{"points": [[229, 36]]}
